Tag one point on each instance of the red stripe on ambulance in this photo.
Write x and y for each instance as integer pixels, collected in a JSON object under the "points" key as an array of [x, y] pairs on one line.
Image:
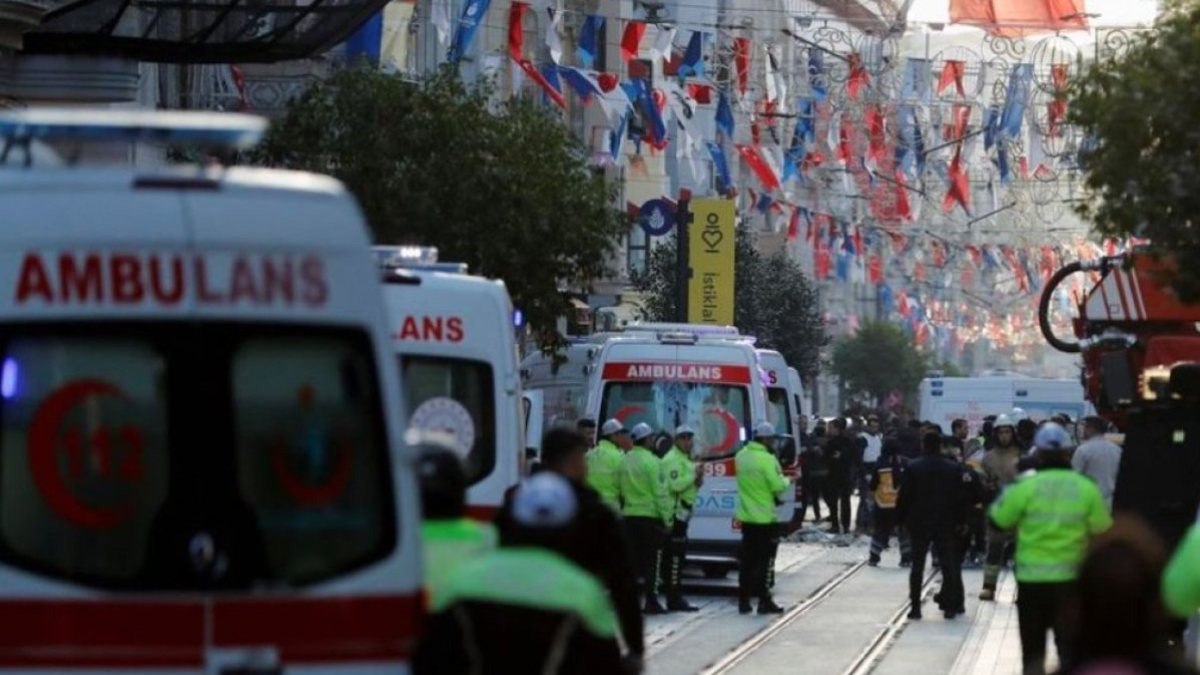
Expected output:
{"points": [[683, 372], [170, 634], [97, 278]]}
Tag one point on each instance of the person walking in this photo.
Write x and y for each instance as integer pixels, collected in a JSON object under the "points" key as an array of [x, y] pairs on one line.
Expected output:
{"points": [[999, 471], [872, 442], [932, 506], [448, 537], [647, 510], [814, 473], [1054, 512], [885, 488], [596, 539], [839, 457], [760, 488], [683, 480], [604, 462], [1098, 458], [525, 593]]}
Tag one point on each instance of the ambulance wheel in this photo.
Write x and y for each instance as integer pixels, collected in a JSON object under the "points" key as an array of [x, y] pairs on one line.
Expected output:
{"points": [[715, 571]]}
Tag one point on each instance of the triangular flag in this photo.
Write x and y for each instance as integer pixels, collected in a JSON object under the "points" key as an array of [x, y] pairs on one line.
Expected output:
{"points": [[693, 58], [553, 40], [632, 39], [741, 60], [589, 39], [664, 43], [439, 16], [759, 165]]}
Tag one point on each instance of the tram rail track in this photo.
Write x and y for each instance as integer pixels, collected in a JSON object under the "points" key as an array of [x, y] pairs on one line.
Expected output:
{"points": [[867, 659]]}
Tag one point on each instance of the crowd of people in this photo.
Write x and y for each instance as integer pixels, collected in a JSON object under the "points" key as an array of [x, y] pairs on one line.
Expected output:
{"points": [[584, 548]]}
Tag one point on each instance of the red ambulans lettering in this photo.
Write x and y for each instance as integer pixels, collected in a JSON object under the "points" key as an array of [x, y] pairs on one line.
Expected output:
{"points": [[431, 329], [128, 279]]}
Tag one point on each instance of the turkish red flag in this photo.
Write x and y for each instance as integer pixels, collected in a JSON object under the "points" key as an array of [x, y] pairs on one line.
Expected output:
{"points": [[1019, 18], [632, 39], [874, 119], [702, 93], [952, 73], [793, 232], [516, 49], [960, 185], [754, 159], [859, 77], [875, 269], [845, 147], [903, 207], [741, 60]]}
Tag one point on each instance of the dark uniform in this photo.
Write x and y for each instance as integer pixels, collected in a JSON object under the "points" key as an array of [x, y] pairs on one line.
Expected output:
{"points": [[932, 504]]}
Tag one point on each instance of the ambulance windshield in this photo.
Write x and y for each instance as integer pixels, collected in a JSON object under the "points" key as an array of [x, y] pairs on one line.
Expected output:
{"points": [[454, 397], [192, 456], [720, 413]]}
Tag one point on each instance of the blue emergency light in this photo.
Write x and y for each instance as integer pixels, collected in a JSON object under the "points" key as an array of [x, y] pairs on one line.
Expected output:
{"points": [[213, 129]]}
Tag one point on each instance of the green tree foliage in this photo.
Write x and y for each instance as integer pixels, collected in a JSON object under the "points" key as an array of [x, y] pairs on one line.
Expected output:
{"points": [[502, 186], [879, 359], [1138, 113], [773, 300]]}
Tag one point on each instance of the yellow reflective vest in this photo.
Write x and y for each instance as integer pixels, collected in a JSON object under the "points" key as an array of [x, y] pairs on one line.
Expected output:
{"points": [[760, 481]]}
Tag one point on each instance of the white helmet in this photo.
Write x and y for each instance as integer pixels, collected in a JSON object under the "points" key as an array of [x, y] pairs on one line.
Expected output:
{"points": [[544, 500], [764, 430], [1002, 421], [1018, 414], [1051, 436], [642, 431]]}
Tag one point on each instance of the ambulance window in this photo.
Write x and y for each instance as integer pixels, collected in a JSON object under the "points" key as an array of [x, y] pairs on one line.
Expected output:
{"points": [[454, 396], [83, 462], [312, 461], [720, 413], [777, 410]]}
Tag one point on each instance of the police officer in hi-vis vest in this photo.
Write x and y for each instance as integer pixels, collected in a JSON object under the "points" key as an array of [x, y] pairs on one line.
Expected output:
{"points": [[648, 511], [760, 487], [683, 479]]}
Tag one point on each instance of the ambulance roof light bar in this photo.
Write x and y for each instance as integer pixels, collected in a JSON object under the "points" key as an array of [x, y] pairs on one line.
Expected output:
{"points": [[392, 258], [233, 131], [697, 329]]}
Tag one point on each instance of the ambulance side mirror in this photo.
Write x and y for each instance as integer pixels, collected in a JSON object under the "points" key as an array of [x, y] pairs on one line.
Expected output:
{"points": [[786, 449]]}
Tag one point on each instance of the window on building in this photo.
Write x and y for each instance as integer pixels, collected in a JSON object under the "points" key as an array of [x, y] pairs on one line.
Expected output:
{"points": [[637, 249]]}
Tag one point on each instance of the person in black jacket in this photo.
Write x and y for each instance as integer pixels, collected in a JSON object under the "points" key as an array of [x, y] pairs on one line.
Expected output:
{"points": [[596, 540], [932, 503], [840, 451]]}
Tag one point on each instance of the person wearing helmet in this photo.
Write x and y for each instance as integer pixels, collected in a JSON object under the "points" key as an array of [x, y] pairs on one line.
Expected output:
{"points": [[1054, 512], [760, 488], [597, 540], [648, 511], [999, 471], [448, 537], [526, 593], [683, 480], [604, 462]]}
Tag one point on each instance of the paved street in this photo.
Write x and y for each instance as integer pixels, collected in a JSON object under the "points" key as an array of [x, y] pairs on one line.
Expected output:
{"points": [[843, 618]]}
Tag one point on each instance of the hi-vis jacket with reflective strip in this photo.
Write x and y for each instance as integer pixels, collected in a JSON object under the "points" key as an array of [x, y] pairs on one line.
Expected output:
{"points": [[1181, 580], [603, 472], [759, 482], [1055, 512], [680, 473], [643, 488]]}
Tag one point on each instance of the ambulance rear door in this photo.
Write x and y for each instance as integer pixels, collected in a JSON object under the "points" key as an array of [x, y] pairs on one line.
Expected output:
{"points": [[455, 344]]}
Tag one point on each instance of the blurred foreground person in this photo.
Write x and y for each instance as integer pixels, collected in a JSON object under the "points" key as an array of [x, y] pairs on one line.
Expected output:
{"points": [[1120, 622], [524, 608], [1055, 512], [1181, 582], [596, 541], [448, 537]]}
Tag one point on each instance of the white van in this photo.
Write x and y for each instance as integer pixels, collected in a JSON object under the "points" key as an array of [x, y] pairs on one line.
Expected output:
{"points": [[944, 399], [201, 471], [453, 335], [562, 380], [670, 374]]}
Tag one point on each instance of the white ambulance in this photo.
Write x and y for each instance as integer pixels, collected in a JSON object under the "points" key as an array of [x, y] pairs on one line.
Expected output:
{"points": [[199, 471], [454, 338], [561, 380], [708, 377]]}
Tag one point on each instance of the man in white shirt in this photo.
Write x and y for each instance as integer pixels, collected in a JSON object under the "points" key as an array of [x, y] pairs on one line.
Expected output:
{"points": [[1098, 458], [872, 447]]}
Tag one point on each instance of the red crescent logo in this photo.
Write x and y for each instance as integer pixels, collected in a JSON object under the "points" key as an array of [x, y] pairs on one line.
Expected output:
{"points": [[731, 430], [624, 413], [322, 493], [43, 463]]}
